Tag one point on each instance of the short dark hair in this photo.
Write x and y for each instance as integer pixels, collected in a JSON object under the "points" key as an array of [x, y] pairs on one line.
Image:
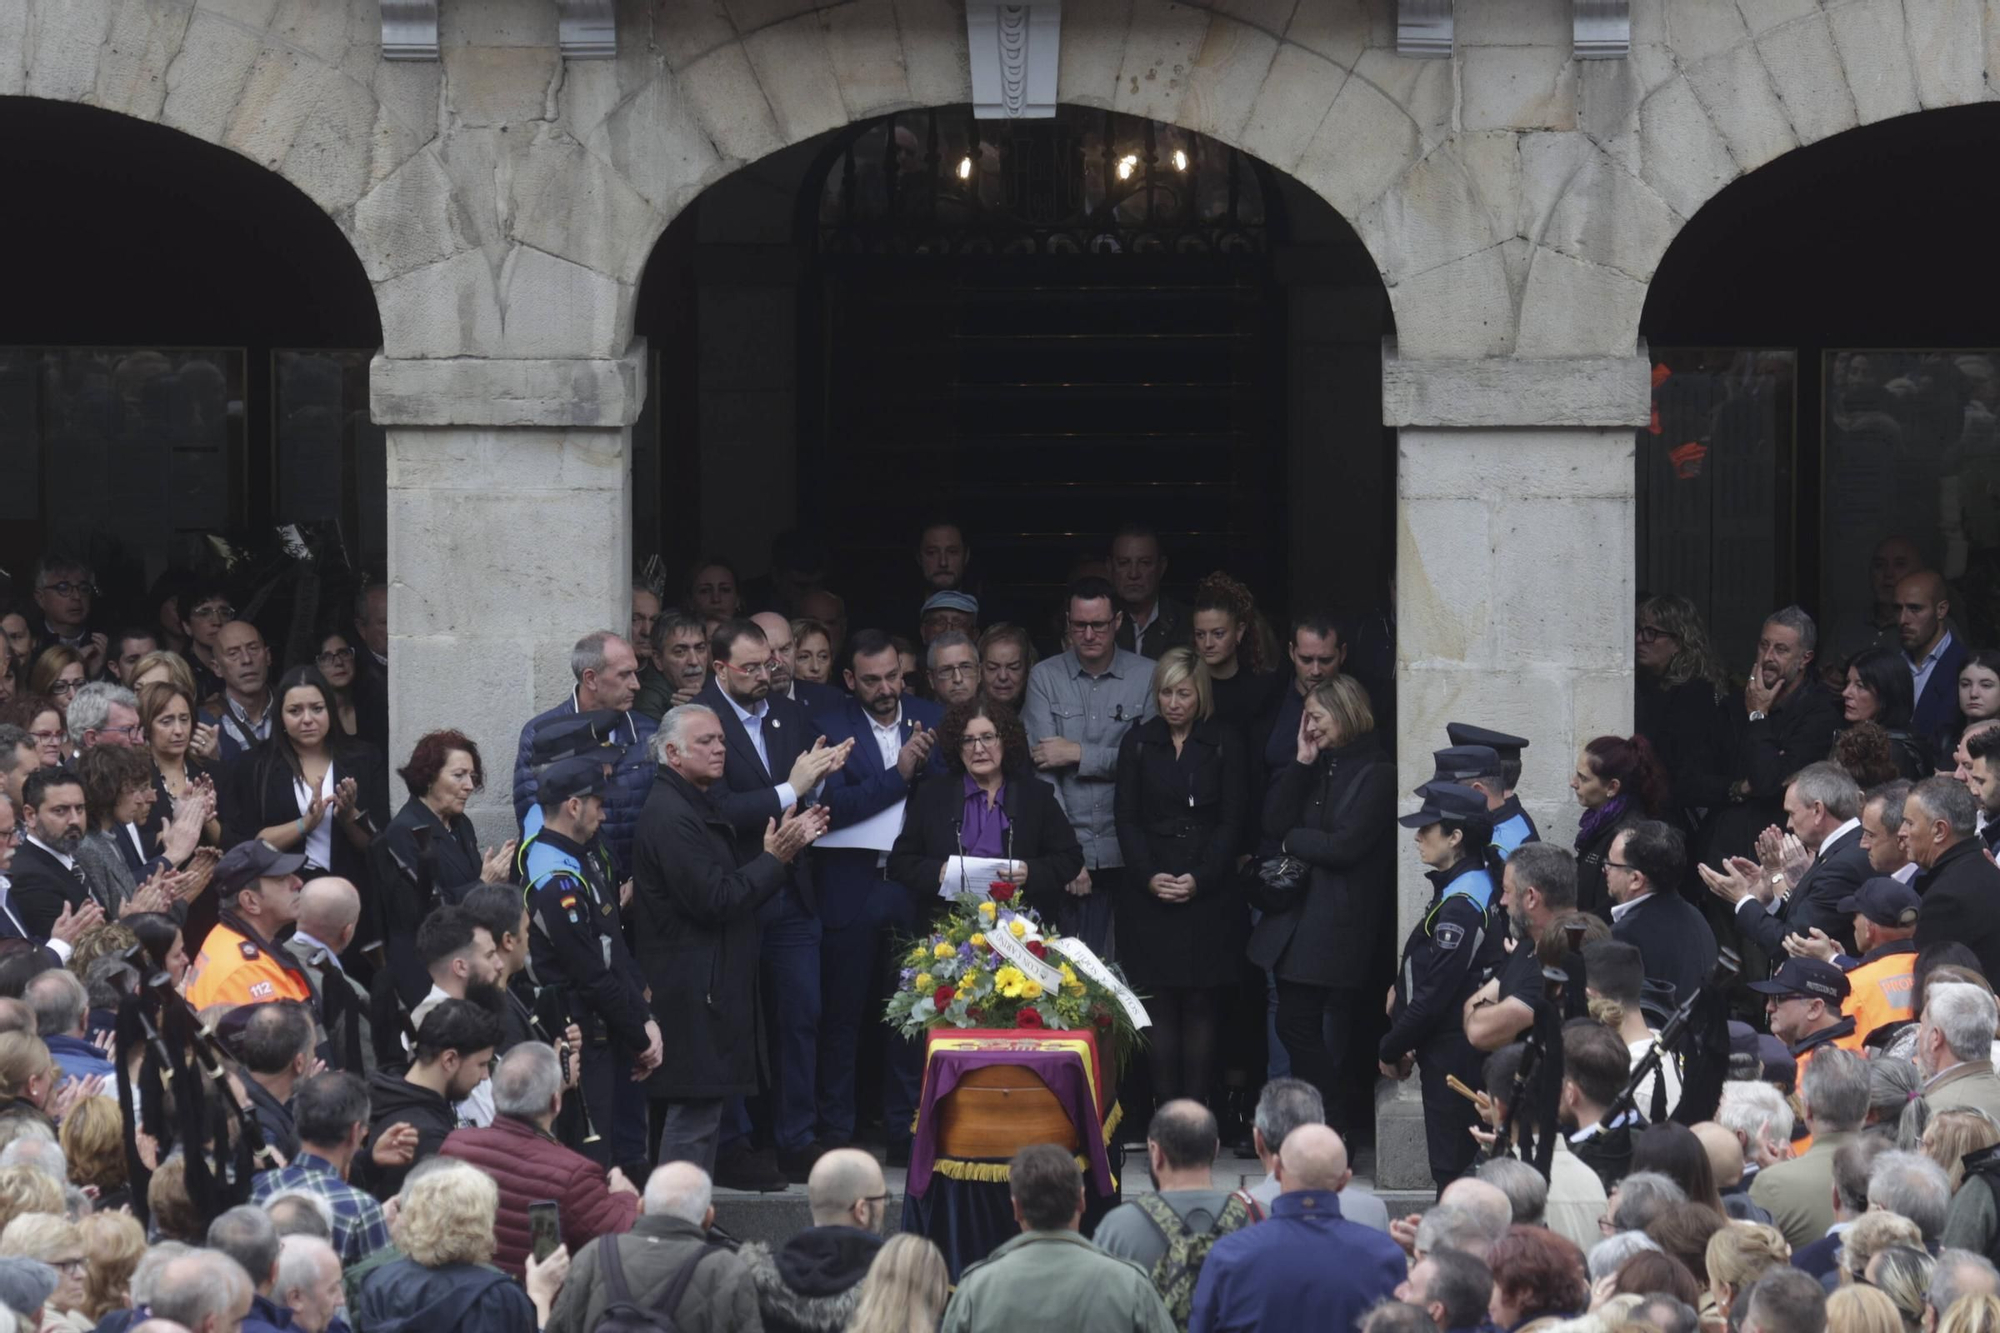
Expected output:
{"points": [[728, 632], [1615, 970], [42, 779], [1186, 1133], [497, 907], [428, 758], [1985, 745], [1597, 1060], [1657, 851], [274, 1036], [1045, 1182], [1320, 624], [1547, 869], [867, 643], [1787, 1300], [1461, 1283], [672, 622], [1657, 1271], [445, 933], [456, 1025], [1091, 588], [1499, 1070], [1390, 1315], [326, 1106]]}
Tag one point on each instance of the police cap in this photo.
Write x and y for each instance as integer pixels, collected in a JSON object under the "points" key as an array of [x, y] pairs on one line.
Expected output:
{"points": [[568, 737], [568, 778], [1463, 762], [1446, 800], [1885, 901], [1507, 747]]}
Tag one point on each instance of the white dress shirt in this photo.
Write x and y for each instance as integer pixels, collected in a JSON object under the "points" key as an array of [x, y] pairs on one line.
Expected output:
{"points": [[753, 723]]}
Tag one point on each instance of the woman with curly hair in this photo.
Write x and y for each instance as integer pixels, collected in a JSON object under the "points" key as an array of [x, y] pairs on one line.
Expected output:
{"points": [[1538, 1280], [988, 804], [1680, 685], [446, 1282], [113, 1244], [1245, 681]]}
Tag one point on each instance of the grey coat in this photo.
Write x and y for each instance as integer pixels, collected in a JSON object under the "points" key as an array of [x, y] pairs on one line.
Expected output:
{"points": [[720, 1299], [111, 882]]}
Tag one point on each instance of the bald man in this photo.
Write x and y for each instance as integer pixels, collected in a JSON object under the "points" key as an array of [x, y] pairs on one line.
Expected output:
{"points": [[784, 680], [1276, 1274], [1725, 1159], [329, 913], [1923, 610], [814, 1279]]}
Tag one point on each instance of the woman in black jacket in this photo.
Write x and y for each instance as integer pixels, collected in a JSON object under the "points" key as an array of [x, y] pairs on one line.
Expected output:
{"points": [[1182, 799], [988, 803], [1618, 782], [1334, 808], [430, 852], [1678, 708], [1876, 687]]}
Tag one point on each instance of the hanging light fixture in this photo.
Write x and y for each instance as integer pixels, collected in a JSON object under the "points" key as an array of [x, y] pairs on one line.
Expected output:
{"points": [[1180, 159], [1127, 165]]}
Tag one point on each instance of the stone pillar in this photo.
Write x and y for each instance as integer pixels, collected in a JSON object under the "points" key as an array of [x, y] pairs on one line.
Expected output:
{"points": [[510, 537], [1514, 592]]}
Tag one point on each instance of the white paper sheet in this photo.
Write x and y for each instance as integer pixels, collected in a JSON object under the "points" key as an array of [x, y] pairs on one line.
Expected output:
{"points": [[875, 833], [977, 873]]}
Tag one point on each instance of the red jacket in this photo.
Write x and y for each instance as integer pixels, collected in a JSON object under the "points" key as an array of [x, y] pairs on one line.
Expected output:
{"points": [[529, 1167]]}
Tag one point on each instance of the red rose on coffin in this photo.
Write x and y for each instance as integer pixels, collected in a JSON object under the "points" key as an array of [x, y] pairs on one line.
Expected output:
{"points": [[1102, 1018], [943, 996], [1038, 949], [1028, 1018], [972, 1012], [1000, 891]]}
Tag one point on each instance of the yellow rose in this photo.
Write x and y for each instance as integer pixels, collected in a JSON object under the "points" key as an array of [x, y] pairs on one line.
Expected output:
{"points": [[944, 950], [924, 982], [1068, 975], [1073, 987], [978, 940], [1031, 989], [988, 910], [1017, 928], [918, 954]]}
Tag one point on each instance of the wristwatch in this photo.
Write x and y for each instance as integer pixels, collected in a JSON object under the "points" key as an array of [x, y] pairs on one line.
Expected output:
{"points": [[1756, 715]]}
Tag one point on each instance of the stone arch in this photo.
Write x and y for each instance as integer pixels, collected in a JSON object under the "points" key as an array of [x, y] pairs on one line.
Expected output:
{"points": [[1711, 92]]}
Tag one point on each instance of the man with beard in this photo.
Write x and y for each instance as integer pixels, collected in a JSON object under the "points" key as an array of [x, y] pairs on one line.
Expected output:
{"points": [[257, 889], [892, 733], [464, 963], [679, 665], [1784, 721], [68, 927], [1923, 610], [1538, 888], [46, 880], [785, 684]]}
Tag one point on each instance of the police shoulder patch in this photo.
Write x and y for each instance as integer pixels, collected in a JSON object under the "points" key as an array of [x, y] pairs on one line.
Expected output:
{"points": [[1449, 935], [260, 990], [568, 901], [249, 949]]}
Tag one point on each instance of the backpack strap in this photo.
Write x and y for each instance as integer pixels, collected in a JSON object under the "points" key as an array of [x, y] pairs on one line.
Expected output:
{"points": [[669, 1300], [1250, 1204], [612, 1269], [1163, 1217]]}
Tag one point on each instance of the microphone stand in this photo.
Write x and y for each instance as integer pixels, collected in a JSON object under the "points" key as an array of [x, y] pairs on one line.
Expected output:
{"points": [[1727, 965]]}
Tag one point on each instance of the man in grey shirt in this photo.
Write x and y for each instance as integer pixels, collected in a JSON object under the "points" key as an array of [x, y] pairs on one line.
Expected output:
{"points": [[1078, 708], [1180, 1147], [1284, 1105]]}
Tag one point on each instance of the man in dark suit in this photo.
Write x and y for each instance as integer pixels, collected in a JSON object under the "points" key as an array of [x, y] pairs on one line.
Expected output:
{"points": [[46, 879], [1958, 884], [1923, 611], [1152, 623], [1823, 809], [1673, 939], [67, 928], [785, 683], [776, 759], [859, 905]]}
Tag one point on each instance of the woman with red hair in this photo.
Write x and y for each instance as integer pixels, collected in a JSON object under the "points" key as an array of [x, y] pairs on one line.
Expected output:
{"points": [[1618, 782], [1538, 1280]]}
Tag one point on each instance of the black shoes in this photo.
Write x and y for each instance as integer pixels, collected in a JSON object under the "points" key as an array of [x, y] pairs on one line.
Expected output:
{"points": [[797, 1163], [741, 1168]]}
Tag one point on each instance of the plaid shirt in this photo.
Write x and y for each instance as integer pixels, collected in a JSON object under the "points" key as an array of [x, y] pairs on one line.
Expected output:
{"points": [[358, 1227]]}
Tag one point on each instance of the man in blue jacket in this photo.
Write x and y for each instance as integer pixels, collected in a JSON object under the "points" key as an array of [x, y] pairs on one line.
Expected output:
{"points": [[607, 677], [1277, 1274]]}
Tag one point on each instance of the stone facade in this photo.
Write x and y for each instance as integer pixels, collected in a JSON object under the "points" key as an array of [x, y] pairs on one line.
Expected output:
{"points": [[1516, 200]]}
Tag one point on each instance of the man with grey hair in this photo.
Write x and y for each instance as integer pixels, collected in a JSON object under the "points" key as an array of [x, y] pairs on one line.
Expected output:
{"points": [[25, 1286], [1823, 811], [1785, 1300], [1282, 1106], [1471, 1214], [1639, 1198], [1799, 1193], [245, 1234], [528, 1164], [102, 713], [1955, 1048], [309, 1282], [951, 662], [301, 1213], [1910, 1184], [1853, 1164], [1957, 1273], [1957, 881], [1784, 720], [1761, 1119], [672, 1232], [62, 1009], [1527, 1192], [1609, 1255], [43, 1154], [204, 1291], [1448, 1228], [607, 680]]}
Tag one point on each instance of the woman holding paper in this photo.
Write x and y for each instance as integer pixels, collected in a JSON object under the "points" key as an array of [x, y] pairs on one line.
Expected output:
{"points": [[988, 817], [1183, 797]]}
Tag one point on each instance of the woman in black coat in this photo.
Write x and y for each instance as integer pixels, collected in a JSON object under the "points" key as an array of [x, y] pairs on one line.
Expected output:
{"points": [[429, 853], [1334, 808], [1618, 782], [988, 802], [1182, 799]]}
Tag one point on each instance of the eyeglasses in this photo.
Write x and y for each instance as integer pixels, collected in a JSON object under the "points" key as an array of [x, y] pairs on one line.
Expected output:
{"points": [[1610, 864], [75, 1265], [68, 589], [63, 688], [213, 611], [988, 742], [754, 669], [129, 733], [1089, 626], [884, 1197], [46, 737], [955, 672], [13, 835], [335, 657], [1653, 634]]}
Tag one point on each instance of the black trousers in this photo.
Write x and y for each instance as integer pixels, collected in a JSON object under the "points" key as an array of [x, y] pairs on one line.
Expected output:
{"points": [[1313, 1023]]}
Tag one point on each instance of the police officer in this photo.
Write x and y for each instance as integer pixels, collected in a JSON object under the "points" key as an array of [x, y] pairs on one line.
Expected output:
{"points": [[257, 891], [577, 949], [1446, 958], [1511, 825]]}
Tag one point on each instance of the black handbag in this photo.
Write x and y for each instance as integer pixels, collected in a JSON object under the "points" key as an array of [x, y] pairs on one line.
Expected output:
{"points": [[1275, 884]]}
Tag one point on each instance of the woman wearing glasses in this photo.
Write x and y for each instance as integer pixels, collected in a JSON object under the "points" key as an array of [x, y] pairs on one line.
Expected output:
{"points": [[58, 674], [38, 715], [364, 715], [987, 804]]}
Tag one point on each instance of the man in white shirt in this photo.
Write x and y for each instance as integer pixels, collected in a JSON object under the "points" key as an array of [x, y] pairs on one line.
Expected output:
{"points": [[68, 927], [464, 964]]}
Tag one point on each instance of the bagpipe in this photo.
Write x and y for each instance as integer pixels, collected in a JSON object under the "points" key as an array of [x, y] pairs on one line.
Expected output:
{"points": [[1538, 1078]]}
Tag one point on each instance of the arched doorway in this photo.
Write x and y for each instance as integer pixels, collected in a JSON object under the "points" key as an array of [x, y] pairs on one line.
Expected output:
{"points": [[1046, 328], [183, 363], [1825, 378]]}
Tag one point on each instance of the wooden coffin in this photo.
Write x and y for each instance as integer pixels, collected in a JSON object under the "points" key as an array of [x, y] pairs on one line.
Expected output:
{"points": [[996, 1111]]}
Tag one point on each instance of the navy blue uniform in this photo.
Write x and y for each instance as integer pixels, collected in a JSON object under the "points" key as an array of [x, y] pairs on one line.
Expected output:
{"points": [[576, 947], [1512, 827], [1448, 956]]}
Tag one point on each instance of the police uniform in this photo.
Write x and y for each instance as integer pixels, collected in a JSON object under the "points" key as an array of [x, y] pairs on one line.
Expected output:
{"points": [[1511, 825], [1448, 955], [577, 950], [236, 965], [1880, 983]]}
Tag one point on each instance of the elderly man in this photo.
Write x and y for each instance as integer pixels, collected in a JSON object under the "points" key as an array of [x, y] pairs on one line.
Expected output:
{"points": [[695, 910], [309, 1282], [1282, 1106], [1822, 808], [1957, 882], [258, 889], [948, 612], [521, 1154], [785, 683], [952, 663], [679, 667], [205, 1291], [329, 913], [1799, 1193], [103, 713], [62, 1013], [331, 1113], [607, 680], [671, 1233], [1955, 1046], [245, 1234], [243, 714], [812, 1283]]}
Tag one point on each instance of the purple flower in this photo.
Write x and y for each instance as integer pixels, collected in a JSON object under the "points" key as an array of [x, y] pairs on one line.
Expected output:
{"points": [[909, 975], [1005, 916], [965, 952]]}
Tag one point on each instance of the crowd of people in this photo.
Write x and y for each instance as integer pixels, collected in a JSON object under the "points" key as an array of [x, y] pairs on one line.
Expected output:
{"points": [[277, 1049]]}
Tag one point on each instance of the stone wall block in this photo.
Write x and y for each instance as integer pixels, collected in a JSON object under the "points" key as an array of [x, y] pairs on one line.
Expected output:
{"points": [[482, 686], [1517, 88], [447, 308], [1698, 29], [1588, 623], [1337, 30], [866, 52], [478, 391], [1094, 33], [594, 89], [1363, 146], [1948, 47], [1810, 79], [136, 52], [1607, 217], [657, 143], [13, 49], [1764, 16], [568, 201], [753, 15], [552, 306], [1552, 167], [1433, 216], [331, 154], [452, 460], [280, 95], [324, 30], [479, 160], [1445, 580], [1425, 90], [1610, 92], [67, 36], [1223, 83], [1736, 91], [1513, 23], [408, 93], [1527, 701], [790, 61], [1463, 308], [410, 219], [1492, 162], [1163, 44], [1298, 92], [1601, 701], [207, 77], [498, 85], [1875, 52], [687, 31], [243, 13], [724, 90], [1269, 16], [1402, 1152], [935, 61], [1573, 307], [495, 23], [1521, 464], [1682, 155]]}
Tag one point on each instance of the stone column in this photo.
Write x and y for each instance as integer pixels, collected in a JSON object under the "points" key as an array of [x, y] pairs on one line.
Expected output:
{"points": [[1514, 592], [510, 537]]}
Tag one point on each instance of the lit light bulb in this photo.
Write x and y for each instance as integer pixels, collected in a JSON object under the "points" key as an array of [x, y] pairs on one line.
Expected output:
{"points": [[1127, 165], [965, 168], [1180, 159]]}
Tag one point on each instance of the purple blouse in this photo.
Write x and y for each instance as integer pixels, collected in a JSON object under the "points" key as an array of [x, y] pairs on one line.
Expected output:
{"points": [[984, 831]]}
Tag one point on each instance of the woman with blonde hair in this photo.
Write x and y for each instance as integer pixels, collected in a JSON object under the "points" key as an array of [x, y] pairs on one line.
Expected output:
{"points": [[1954, 1133], [113, 1243], [57, 675], [1904, 1276], [28, 1077], [54, 1240], [1739, 1254], [25, 1190], [446, 1282], [1872, 1233], [1973, 1313], [93, 1143], [1861, 1310], [1182, 802], [905, 1289]]}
